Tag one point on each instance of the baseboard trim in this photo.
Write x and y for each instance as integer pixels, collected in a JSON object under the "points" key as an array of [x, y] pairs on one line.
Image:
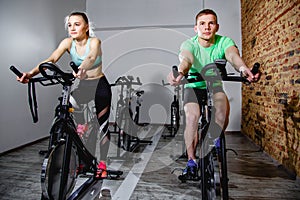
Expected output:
{"points": [[24, 145]]}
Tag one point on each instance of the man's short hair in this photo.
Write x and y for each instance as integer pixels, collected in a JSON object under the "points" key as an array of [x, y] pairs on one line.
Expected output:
{"points": [[206, 12]]}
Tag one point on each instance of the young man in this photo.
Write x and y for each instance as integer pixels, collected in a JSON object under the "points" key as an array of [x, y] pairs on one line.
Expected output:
{"points": [[195, 53]]}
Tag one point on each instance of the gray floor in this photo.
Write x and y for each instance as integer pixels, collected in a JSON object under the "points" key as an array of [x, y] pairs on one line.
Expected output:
{"points": [[147, 172]]}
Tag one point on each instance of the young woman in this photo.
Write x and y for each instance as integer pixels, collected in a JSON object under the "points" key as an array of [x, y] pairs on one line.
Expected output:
{"points": [[85, 51]]}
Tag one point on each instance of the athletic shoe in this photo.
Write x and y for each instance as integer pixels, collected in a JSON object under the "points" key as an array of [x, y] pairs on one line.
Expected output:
{"points": [[101, 170], [191, 168], [190, 172]]}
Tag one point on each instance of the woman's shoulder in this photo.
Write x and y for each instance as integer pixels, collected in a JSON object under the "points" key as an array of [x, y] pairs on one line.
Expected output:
{"points": [[95, 39], [67, 42], [95, 43]]}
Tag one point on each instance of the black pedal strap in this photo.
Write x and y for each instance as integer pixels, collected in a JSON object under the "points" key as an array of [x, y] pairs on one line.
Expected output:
{"points": [[32, 101]]}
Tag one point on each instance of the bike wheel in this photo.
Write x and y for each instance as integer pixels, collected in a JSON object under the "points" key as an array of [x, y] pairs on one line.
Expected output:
{"points": [[51, 172], [126, 129], [210, 178], [127, 138]]}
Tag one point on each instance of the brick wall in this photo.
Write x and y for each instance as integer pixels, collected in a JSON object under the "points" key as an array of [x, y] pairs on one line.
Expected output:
{"points": [[271, 107]]}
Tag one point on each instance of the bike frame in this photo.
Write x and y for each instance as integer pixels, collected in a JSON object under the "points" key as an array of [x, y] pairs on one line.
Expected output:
{"points": [[64, 119], [207, 114], [62, 133]]}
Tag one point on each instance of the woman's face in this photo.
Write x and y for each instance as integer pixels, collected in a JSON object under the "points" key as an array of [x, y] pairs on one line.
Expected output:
{"points": [[77, 27]]}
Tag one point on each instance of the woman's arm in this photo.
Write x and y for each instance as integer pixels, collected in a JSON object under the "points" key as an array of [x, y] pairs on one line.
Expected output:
{"points": [[95, 50], [54, 57]]}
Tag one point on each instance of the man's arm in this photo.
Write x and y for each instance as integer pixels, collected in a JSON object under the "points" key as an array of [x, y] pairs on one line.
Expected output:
{"points": [[186, 60], [233, 57]]}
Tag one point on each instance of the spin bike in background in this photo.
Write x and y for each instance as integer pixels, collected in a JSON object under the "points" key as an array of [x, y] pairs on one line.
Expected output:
{"points": [[60, 168], [126, 120], [174, 125], [120, 103], [212, 162]]}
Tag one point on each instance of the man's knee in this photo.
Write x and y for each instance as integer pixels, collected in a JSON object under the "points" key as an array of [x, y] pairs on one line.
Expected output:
{"points": [[222, 109], [221, 118], [192, 114], [192, 117]]}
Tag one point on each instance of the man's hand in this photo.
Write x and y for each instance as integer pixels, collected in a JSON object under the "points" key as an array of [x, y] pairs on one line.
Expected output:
{"points": [[174, 81], [247, 73]]}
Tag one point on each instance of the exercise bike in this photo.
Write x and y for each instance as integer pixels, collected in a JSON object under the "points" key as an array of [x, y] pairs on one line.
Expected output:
{"points": [[212, 162], [61, 165]]}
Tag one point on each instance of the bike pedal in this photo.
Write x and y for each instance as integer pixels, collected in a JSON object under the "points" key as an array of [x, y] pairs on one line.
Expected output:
{"points": [[188, 177], [87, 175], [114, 172]]}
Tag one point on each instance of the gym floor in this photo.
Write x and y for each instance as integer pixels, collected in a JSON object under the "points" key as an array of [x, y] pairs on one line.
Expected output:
{"points": [[148, 172]]}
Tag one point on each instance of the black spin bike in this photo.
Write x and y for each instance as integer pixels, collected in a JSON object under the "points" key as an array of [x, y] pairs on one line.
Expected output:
{"points": [[61, 166], [127, 121], [212, 162], [175, 111]]}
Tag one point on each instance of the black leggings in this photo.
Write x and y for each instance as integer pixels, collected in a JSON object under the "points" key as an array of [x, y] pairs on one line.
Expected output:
{"points": [[98, 90]]}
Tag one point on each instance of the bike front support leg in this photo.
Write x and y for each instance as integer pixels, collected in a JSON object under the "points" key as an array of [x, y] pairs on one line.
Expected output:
{"points": [[224, 177]]}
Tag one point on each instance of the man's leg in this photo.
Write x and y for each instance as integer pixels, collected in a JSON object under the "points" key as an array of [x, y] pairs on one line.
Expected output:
{"points": [[192, 114], [222, 110]]}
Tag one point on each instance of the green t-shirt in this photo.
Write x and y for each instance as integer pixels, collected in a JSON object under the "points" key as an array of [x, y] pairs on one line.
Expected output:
{"points": [[204, 56]]}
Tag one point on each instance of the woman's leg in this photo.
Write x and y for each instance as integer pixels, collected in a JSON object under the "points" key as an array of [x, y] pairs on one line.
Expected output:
{"points": [[103, 103], [103, 119]]}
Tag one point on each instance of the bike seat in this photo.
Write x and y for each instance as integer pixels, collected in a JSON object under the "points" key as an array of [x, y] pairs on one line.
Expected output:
{"points": [[139, 92]]}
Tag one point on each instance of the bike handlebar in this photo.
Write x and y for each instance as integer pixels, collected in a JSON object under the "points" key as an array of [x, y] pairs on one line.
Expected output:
{"points": [[58, 75], [123, 80], [16, 71], [175, 71], [218, 67]]}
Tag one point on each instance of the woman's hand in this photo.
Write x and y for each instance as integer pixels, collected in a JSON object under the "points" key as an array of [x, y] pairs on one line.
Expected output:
{"points": [[25, 78], [81, 74]]}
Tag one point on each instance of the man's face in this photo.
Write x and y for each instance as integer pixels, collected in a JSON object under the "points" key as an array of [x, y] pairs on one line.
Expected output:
{"points": [[206, 27]]}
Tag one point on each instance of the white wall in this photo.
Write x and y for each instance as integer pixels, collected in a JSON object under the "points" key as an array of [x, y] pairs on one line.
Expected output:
{"points": [[142, 38], [31, 30]]}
